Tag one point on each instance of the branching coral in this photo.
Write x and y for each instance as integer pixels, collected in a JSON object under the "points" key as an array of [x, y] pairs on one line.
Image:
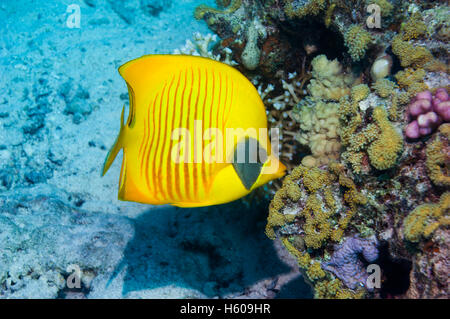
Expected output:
{"points": [[383, 152], [384, 87], [426, 218], [380, 139], [329, 82], [414, 27], [202, 46], [319, 122], [357, 41]]}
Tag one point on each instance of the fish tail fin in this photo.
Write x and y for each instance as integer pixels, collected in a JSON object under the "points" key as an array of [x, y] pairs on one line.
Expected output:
{"points": [[116, 147]]}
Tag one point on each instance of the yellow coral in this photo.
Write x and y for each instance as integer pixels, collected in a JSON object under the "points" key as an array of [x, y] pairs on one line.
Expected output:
{"points": [[384, 87], [438, 162], [203, 9], [357, 40], [312, 7], [426, 218], [383, 153], [414, 27], [320, 207], [385, 6], [359, 92], [409, 55], [334, 289], [315, 272]]}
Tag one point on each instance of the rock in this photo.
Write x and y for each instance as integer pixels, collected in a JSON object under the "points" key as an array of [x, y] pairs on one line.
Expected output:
{"points": [[42, 235]]}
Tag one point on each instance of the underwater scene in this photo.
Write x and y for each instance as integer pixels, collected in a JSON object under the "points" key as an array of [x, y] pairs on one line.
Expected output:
{"points": [[224, 149]]}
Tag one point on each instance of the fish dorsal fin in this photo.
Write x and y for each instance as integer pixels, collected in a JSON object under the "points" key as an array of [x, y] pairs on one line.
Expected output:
{"points": [[248, 160]]}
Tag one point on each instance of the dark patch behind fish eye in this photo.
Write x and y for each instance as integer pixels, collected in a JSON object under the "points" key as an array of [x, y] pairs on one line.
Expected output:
{"points": [[248, 160]]}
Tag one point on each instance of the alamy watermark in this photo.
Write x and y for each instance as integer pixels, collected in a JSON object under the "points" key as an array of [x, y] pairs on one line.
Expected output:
{"points": [[74, 18], [214, 146], [73, 281], [374, 20], [374, 278]]}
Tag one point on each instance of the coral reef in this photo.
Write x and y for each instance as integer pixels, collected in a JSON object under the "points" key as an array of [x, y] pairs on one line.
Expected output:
{"points": [[329, 82], [374, 137], [202, 45], [357, 40], [346, 262], [427, 112], [438, 161], [426, 218], [343, 94], [319, 124], [313, 209]]}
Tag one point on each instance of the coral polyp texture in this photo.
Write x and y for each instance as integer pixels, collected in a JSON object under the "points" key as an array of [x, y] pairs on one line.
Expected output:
{"points": [[427, 112], [356, 98], [364, 110], [346, 263]]}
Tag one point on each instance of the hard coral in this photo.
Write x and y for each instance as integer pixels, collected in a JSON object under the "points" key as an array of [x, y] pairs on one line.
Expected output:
{"points": [[427, 112], [426, 218], [380, 140], [383, 153], [409, 55], [312, 210], [329, 81], [346, 261], [357, 41], [319, 123], [438, 157], [302, 8]]}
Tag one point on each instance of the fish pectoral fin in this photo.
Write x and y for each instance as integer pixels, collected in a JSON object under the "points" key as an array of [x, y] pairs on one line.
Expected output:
{"points": [[247, 163]]}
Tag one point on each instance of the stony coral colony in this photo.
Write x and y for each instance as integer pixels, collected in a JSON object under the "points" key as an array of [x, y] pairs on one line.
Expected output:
{"points": [[363, 111]]}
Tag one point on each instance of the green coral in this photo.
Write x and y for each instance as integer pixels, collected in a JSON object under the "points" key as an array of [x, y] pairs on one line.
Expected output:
{"points": [[426, 218], [413, 28], [384, 87], [359, 92], [386, 7], [410, 55], [357, 41]]}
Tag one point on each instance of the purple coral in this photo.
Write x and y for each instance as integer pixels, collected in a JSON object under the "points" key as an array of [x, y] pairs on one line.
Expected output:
{"points": [[346, 261], [427, 112]]}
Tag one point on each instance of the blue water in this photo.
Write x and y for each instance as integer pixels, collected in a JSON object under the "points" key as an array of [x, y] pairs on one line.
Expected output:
{"points": [[60, 103]]}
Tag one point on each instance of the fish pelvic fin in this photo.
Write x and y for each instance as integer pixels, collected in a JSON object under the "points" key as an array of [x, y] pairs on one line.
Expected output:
{"points": [[116, 147]]}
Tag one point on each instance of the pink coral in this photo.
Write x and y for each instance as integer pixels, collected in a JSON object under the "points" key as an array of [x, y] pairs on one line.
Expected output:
{"points": [[426, 112]]}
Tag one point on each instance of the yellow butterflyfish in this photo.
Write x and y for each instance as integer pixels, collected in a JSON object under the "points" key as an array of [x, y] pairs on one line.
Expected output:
{"points": [[196, 133]]}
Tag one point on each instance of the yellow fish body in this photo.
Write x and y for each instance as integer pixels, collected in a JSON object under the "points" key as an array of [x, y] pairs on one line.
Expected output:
{"points": [[186, 105]]}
